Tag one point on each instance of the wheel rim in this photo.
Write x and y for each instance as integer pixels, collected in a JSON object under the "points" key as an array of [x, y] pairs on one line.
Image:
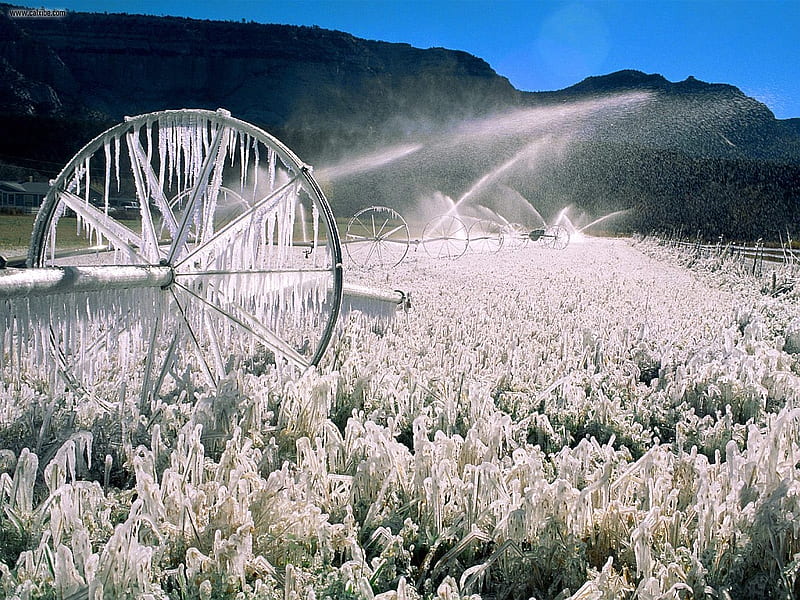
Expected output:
{"points": [[248, 233], [377, 237], [445, 237], [558, 237], [485, 237]]}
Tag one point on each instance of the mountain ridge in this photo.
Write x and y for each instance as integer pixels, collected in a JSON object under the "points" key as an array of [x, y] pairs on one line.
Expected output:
{"points": [[328, 94]]}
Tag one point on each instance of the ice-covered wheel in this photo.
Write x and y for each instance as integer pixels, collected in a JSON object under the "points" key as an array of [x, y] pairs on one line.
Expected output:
{"points": [[230, 223], [445, 237], [556, 237], [486, 237], [515, 236], [377, 237]]}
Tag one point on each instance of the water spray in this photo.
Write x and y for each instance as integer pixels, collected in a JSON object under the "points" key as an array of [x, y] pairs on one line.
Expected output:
{"points": [[367, 162], [603, 218]]}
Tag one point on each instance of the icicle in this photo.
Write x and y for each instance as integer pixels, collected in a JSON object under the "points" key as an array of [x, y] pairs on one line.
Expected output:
{"points": [[186, 166], [233, 136], [255, 169], [75, 184], [58, 212], [184, 156], [107, 183], [271, 168], [207, 131], [162, 155], [116, 160], [88, 180], [245, 147], [212, 192], [149, 136], [315, 223], [181, 155], [197, 133], [175, 157], [200, 127], [167, 132]]}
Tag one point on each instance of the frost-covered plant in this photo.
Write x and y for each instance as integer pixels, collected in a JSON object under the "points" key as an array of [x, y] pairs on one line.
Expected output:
{"points": [[596, 423]]}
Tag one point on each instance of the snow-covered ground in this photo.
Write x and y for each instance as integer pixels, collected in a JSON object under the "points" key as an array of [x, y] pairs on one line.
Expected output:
{"points": [[610, 420]]}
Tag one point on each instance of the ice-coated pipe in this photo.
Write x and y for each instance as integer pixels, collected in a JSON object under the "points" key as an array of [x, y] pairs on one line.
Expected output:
{"points": [[355, 294], [17, 283]]}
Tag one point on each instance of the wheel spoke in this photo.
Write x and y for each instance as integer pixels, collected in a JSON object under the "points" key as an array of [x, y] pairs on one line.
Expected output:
{"points": [[364, 228], [121, 236], [92, 348], [150, 246], [372, 247], [63, 366], [445, 237], [369, 234], [266, 204], [357, 250], [380, 231], [250, 324], [154, 185], [168, 357], [146, 397], [199, 188], [200, 355], [396, 229], [213, 340]]}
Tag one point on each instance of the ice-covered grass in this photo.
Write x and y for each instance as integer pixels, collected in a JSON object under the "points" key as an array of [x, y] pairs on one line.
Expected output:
{"points": [[600, 422]]}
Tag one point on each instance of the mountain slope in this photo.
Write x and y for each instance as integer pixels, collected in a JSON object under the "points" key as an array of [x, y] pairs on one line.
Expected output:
{"points": [[282, 77], [688, 154]]}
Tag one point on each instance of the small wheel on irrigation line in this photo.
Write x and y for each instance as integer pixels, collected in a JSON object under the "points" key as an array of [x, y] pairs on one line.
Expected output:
{"points": [[377, 237], [556, 237], [515, 236], [445, 237], [245, 232], [485, 237]]}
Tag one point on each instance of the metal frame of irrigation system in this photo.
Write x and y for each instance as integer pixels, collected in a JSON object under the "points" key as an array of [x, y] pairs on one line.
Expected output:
{"points": [[235, 251], [378, 236]]}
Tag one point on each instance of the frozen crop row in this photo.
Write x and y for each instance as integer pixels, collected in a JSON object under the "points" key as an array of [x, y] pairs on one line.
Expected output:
{"points": [[594, 423]]}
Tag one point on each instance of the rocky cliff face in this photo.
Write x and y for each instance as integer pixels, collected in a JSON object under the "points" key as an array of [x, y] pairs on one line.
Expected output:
{"points": [[322, 90], [28, 73], [686, 154], [284, 77]]}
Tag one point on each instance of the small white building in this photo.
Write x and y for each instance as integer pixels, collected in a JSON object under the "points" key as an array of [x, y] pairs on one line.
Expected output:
{"points": [[25, 197]]}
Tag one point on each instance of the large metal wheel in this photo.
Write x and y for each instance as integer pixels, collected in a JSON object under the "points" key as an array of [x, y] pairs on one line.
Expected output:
{"points": [[445, 237], [248, 236], [486, 237], [556, 237], [377, 237]]}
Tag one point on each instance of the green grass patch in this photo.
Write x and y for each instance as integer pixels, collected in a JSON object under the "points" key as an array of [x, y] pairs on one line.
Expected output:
{"points": [[16, 230], [15, 233]]}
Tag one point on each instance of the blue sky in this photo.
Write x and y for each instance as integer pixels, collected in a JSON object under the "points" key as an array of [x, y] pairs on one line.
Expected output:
{"points": [[551, 44]]}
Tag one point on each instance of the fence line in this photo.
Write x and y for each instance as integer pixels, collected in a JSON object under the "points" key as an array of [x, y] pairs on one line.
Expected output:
{"points": [[784, 259]]}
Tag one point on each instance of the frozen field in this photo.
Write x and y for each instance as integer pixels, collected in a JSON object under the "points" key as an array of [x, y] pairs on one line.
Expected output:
{"points": [[604, 421]]}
